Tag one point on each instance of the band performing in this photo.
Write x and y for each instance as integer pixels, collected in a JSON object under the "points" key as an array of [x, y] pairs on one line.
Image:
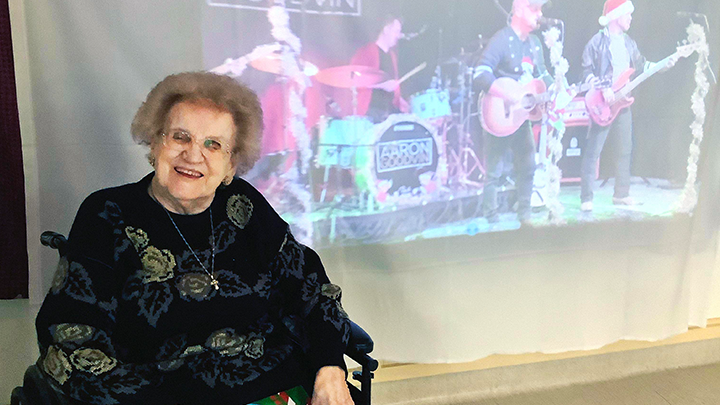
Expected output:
{"points": [[351, 158]]}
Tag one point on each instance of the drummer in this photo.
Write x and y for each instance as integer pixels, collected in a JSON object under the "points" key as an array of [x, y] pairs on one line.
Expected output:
{"points": [[383, 98]]}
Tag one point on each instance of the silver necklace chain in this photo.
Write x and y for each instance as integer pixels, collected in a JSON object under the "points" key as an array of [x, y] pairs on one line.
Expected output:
{"points": [[213, 281]]}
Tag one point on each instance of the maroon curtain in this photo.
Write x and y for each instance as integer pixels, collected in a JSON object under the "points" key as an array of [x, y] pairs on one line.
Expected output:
{"points": [[13, 240]]}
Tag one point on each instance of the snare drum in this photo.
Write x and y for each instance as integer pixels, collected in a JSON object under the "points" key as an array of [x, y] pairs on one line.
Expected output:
{"points": [[431, 103], [340, 139]]}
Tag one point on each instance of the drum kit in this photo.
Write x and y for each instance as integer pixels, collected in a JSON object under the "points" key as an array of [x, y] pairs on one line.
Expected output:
{"points": [[398, 149], [405, 146]]}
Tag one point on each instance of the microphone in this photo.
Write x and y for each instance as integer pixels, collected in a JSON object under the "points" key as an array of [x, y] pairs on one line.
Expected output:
{"points": [[549, 21], [690, 14], [413, 35]]}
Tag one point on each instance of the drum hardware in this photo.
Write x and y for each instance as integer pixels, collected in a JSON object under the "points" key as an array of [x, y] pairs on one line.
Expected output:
{"points": [[463, 163], [339, 141], [349, 76], [352, 77], [356, 77]]}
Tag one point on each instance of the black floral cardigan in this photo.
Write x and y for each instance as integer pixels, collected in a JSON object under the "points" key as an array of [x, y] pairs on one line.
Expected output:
{"points": [[131, 316]]}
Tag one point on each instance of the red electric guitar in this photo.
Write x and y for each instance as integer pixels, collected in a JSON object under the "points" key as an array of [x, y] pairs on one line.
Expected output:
{"points": [[603, 113]]}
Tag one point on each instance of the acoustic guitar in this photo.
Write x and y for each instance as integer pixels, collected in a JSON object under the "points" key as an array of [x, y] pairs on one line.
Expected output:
{"points": [[502, 118]]}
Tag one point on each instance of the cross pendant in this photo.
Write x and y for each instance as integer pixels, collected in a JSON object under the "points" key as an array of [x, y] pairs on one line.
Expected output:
{"points": [[215, 284]]}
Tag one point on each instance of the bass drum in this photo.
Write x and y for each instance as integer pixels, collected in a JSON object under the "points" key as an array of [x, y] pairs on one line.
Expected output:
{"points": [[405, 149]]}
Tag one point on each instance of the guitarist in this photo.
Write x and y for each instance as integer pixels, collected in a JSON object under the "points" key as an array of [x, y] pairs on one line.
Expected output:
{"points": [[609, 53], [515, 53]]}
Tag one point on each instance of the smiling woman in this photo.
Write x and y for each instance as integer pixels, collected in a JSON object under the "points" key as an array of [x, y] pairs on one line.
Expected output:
{"points": [[187, 173], [187, 287]]}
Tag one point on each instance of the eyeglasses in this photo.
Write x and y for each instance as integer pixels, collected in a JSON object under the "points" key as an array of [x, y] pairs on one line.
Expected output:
{"points": [[209, 147]]}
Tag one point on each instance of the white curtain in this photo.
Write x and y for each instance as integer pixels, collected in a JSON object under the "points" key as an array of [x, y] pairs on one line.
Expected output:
{"points": [[447, 300]]}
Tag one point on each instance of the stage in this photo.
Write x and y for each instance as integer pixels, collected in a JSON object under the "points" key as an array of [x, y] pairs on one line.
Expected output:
{"points": [[443, 214]]}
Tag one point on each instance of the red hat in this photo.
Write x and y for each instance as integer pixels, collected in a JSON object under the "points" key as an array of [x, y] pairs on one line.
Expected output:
{"points": [[615, 9]]}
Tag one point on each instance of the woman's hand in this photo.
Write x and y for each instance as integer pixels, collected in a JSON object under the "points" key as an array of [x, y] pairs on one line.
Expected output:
{"points": [[330, 387]]}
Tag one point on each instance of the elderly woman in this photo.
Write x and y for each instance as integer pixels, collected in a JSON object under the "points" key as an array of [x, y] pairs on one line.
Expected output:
{"points": [[186, 287]]}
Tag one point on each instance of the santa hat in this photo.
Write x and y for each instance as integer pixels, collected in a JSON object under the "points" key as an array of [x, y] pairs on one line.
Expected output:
{"points": [[615, 9]]}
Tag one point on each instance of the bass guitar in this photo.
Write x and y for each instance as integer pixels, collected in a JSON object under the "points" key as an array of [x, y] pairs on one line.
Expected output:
{"points": [[604, 113]]}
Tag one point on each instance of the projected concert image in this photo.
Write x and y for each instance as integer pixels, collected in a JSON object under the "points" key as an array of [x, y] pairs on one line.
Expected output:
{"points": [[396, 121]]}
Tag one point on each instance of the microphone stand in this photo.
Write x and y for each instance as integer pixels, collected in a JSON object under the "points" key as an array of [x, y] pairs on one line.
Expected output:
{"points": [[501, 8], [712, 72]]}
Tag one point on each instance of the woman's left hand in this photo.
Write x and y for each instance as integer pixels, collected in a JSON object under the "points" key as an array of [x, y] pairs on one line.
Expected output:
{"points": [[330, 387]]}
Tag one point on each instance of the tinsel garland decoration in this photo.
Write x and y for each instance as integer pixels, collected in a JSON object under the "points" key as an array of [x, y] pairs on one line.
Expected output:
{"points": [[689, 197], [555, 118]]}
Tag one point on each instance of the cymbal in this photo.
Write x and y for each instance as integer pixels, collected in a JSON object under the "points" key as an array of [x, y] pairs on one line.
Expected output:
{"points": [[350, 76], [273, 64], [467, 56], [453, 61]]}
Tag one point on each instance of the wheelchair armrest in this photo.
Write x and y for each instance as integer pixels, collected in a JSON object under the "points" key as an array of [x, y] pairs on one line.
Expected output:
{"points": [[359, 345], [359, 339], [54, 240], [37, 391]]}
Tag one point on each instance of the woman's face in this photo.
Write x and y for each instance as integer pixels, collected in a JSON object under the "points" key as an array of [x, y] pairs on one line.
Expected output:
{"points": [[188, 173]]}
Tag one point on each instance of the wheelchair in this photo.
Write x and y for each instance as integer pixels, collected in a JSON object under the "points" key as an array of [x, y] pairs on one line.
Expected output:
{"points": [[37, 391]]}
